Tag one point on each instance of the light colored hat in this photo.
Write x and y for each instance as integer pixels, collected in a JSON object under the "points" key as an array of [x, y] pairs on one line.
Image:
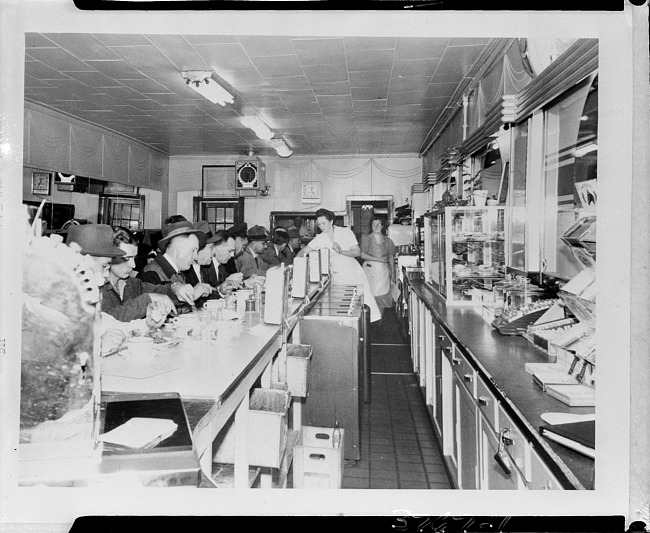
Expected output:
{"points": [[175, 229]]}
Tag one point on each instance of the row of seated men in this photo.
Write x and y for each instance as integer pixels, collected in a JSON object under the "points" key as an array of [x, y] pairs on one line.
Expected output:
{"points": [[191, 265]]}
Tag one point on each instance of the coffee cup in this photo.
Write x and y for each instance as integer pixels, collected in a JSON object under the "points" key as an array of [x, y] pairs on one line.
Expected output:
{"points": [[141, 348]]}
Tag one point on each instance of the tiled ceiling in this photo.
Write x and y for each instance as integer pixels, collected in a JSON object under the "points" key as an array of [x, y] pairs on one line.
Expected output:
{"points": [[323, 95]]}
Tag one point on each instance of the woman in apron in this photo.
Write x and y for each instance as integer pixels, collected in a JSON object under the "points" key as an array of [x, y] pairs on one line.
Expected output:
{"points": [[378, 253], [344, 267]]}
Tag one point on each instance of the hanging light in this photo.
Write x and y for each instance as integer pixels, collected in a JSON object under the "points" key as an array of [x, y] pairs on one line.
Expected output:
{"points": [[201, 81], [258, 126], [281, 147]]}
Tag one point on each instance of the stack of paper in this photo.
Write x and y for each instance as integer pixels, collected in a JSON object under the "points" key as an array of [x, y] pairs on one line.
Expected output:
{"points": [[140, 433], [573, 395]]}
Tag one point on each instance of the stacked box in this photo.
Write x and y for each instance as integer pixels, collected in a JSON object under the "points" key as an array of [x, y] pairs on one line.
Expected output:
{"points": [[267, 430], [316, 463], [298, 357]]}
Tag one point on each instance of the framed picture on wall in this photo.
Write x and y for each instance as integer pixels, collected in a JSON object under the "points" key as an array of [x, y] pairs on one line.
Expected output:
{"points": [[41, 183]]}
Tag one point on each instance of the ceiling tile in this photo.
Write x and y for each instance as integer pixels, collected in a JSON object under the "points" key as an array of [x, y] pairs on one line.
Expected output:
{"points": [[440, 90], [83, 46], [469, 41], [370, 78], [127, 110], [148, 105], [401, 110], [370, 60], [420, 48], [292, 97], [344, 100], [360, 105], [123, 93], [179, 52], [290, 83], [32, 83], [278, 66], [325, 73], [95, 79], [224, 57], [43, 72], [433, 103], [332, 88], [120, 70], [405, 97], [210, 39], [58, 59], [145, 86], [36, 40], [245, 78], [416, 67], [450, 72], [410, 83], [304, 108], [117, 39], [353, 44], [266, 45], [319, 51], [144, 58], [369, 93]]}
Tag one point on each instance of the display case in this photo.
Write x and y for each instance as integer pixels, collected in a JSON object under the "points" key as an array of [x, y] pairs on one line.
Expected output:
{"points": [[465, 251]]}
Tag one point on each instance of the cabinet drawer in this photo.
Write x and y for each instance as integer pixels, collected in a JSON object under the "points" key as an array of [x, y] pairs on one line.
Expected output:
{"points": [[464, 371], [519, 449], [487, 402], [541, 477]]}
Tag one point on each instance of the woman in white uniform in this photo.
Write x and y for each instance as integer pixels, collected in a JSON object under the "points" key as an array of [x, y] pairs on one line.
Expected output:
{"points": [[378, 253], [344, 267]]}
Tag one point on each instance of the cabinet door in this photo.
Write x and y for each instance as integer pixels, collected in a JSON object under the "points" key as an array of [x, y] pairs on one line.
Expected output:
{"points": [[467, 433], [414, 319], [541, 476], [449, 418], [440, 340], [493, 477]]}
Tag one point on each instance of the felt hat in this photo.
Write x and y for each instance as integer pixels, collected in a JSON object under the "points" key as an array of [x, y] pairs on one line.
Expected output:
{"points": [[239, 229], [175, 229], [94, 239], [210, 237], [257, 233], [294, 233]]}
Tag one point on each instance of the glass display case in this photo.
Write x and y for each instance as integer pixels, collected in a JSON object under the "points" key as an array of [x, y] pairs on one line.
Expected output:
{"points": [[465, 249]]}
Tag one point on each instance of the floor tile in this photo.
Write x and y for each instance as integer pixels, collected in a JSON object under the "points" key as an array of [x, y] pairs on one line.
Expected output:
{"points": [[383, 484], [354, 483]]}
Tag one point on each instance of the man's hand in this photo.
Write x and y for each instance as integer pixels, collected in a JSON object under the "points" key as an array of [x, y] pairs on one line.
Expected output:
{"points": [[254, 280], [164, 303], [237, 279], [184, 292], [202, 289], [227, 287]]}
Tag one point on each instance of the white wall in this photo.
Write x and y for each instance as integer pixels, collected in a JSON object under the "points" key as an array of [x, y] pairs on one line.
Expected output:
{"points": [[339, 177]]}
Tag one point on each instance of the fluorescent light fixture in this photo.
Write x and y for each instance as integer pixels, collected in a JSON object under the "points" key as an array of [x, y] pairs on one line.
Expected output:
{"points": [[201, 81], [258, 126], [281, 147]]}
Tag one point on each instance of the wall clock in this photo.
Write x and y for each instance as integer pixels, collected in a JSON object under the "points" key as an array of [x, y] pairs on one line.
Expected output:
{"points": [[311, 192], [41, 183]]}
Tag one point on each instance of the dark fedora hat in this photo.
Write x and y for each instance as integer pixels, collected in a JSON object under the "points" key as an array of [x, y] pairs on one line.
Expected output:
{"points": [[204, 227], [176, 229], [258, 233], [238, 230], [94, 239]]}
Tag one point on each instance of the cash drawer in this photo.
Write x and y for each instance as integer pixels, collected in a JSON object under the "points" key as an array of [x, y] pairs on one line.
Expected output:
{"points": [[487, 402], [515, 444]]}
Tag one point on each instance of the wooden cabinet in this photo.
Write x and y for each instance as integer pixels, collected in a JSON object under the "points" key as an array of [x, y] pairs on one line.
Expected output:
{"points": [[541, 477]]}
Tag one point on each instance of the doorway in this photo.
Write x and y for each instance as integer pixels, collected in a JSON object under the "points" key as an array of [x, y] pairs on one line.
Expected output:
{"points": [[361, 209]]}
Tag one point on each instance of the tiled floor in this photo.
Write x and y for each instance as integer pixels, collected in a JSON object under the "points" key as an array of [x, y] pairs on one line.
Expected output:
{"points": [[398, 446]]}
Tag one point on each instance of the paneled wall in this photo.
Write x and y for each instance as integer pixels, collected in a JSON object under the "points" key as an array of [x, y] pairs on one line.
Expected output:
{"points": [[339, 176], [55, 142]]}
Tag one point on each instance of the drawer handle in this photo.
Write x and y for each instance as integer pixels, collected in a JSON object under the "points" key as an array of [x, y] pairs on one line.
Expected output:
{"points": [[507, 441], [441, 337], [455, 361], [468, 378], [482, 400]]}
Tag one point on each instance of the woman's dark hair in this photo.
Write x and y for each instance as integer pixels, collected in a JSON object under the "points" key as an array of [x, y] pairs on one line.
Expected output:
{"points": [[123, 235], [384, 224], [325, 213]]}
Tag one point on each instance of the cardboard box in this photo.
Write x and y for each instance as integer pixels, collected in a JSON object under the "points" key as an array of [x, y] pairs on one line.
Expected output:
{"points": [[267, 430], [316, 463], [298, 357]]}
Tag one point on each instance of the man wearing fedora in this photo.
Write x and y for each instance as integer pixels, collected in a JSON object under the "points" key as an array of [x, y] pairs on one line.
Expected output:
{"points": [[216, 273], [179, 245], [277, 251], [96, 241], [249, 263]]}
